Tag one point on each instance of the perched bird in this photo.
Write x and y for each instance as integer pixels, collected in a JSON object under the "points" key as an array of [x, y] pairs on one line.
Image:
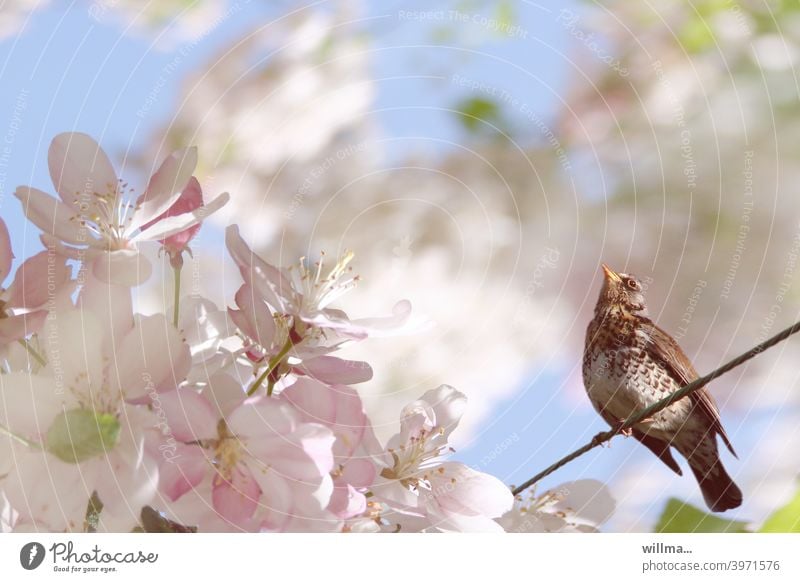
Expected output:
{"points": [[630, 363]]}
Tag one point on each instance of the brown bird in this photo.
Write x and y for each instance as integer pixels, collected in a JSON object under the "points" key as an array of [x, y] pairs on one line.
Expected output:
{"points": [[630, 363]]}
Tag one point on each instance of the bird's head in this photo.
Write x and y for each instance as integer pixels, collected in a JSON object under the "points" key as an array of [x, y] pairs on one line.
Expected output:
{"points": [[623, 291]]}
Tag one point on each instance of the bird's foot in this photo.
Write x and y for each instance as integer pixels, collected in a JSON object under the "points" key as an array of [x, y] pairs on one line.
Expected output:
{"points": [[617, 428]]}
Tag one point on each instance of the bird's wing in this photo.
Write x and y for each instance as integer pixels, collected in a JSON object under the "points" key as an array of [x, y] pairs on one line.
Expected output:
{"points": [[667, 351]]}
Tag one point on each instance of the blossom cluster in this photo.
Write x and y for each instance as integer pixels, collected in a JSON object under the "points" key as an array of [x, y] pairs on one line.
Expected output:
{"points": [[237, 419]]}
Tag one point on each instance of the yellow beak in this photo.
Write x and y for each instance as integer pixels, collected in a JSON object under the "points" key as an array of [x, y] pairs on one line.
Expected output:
{"points": [[610, 275]]}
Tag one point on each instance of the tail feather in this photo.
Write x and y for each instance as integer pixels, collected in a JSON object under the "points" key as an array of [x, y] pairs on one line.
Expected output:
{"points": [[719, 490]]}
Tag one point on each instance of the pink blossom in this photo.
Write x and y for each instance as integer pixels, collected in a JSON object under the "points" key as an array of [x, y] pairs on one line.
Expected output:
{"points": [[305, 293], [266, 333], [23, 306], [191, 199], [75, 432], [267, 468], [423, 491], [95, 221], [340, 408]]}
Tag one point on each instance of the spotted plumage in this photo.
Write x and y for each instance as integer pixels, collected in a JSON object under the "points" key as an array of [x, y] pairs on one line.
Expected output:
{"points": [[630, 363]]}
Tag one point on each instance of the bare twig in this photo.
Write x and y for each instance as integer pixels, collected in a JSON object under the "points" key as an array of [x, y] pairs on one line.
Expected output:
{"points": [[603, 437]]}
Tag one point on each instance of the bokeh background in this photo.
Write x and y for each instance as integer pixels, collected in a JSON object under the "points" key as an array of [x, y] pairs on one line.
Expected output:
{"points": [[481, 158]]}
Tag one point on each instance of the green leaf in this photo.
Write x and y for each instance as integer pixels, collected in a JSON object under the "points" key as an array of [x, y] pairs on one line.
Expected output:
{"points": [[80, 434], [680, 517], [477, 110], [786, 519]]}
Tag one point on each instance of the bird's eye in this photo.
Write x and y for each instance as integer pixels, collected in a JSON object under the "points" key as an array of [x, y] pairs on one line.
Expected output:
{"points": [[633, 284]]}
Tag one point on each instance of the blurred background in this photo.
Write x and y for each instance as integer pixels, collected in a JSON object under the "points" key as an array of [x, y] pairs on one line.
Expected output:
{"points": [[481, 158]]}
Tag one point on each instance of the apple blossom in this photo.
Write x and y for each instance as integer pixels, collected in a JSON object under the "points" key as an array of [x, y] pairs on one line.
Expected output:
{"points": [[23, 305], [95, 221], [268, 469], [423, 491], [578, 506], [69, 428], [340, 408]]}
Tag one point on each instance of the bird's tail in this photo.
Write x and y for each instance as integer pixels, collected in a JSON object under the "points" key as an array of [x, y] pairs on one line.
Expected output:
{"points": [[719, 490]]}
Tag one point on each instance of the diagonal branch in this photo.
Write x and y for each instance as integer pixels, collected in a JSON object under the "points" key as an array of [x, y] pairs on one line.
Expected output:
{"points": [[603, 437]]}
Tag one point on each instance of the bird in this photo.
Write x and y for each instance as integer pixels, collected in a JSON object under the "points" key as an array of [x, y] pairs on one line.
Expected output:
{"points": [[629, 363]]}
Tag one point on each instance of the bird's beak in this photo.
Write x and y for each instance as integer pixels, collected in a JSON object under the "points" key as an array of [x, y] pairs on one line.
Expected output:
{"points": [[610, 275]]}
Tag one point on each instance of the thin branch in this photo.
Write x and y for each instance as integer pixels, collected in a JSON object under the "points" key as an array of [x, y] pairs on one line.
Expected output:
{"points": [[603, 437]]}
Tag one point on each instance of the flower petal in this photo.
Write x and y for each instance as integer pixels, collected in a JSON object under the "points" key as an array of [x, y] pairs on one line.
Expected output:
{"points": [[182, 471], [448, 406], [191, 417], [224, 393], [79, 167], [259, 419], [175, 224], [152, 356], [52, 216], [458, 489], [268, 281], [28, 403], [110, 304], [165, 186], [236, 499], [259, 324], [331, 370], [6, 256], [588, 500], [276, 502], [76, 347], [387, 326], [190, 199], [16, 327], [38, 279], [346, 502], [125, 267]]}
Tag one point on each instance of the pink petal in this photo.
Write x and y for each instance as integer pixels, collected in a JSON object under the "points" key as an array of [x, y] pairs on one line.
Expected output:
{"points": [[111, 304], [305, 455], [38, 279], [259, 322], [150, 357], [224, 393], [77, 343], [28, 404], [172, 225], [268, 281], [191, 199], [346, 502], [52, 216], [338, 407], [79, 167], [236, 500], [331, 370], [359, 473], [191, 417], [260, 419], [16, 327], [182, 471], [165, 186], [277, 500], [6, 256], [385, 326], [125, 267], [458, 489], [448, 406], [313, 400]]}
